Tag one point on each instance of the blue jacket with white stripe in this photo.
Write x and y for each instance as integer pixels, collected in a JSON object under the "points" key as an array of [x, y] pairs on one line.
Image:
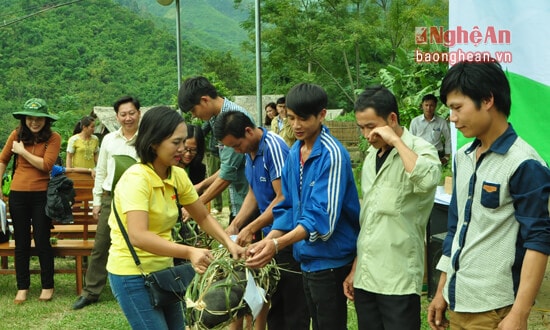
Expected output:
{"points": [[322, 197]]}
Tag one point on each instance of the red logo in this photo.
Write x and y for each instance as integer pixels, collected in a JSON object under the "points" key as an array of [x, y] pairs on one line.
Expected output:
{"points": [[421, 35]]}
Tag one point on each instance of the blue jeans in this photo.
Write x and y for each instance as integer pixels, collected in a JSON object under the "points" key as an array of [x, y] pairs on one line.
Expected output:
{"points": [[325, 298], [133, 298]]}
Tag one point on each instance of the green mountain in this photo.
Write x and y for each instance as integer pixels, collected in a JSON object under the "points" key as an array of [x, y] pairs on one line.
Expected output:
{"points": [[85, 54], [209, 24]]}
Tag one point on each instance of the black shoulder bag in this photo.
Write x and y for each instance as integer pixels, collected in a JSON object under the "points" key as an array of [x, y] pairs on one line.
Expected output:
{"points": [[165, 286]]}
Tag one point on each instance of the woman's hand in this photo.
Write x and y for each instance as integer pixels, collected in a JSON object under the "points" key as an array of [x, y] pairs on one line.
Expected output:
{"points": [[17, 147], [185, 216], [200, 259]]}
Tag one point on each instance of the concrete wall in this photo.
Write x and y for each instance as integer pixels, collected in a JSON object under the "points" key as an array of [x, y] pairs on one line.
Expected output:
{"points": [[249, 103]]}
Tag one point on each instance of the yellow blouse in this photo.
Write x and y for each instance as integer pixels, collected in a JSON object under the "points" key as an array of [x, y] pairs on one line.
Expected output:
{"points": [[83, 151]]}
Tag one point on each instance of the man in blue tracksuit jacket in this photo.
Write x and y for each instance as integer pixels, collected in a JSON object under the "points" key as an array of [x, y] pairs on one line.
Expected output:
{"points": [[320, 212]]}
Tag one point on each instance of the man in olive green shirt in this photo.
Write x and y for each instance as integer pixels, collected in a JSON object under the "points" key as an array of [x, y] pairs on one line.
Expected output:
{"points": [[399, 179]]}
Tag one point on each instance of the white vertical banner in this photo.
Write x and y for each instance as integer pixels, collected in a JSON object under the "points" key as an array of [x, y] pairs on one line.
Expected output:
{"points": [[515, 33]]}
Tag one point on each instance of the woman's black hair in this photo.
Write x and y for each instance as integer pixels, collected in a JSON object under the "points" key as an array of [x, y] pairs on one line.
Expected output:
{"points": [[27, 137], [84, 122], [158, 124], [196, 169], [195, 132]]}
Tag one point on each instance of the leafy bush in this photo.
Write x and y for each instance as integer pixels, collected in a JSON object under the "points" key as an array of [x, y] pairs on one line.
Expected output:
{"points": [[410, 81]]}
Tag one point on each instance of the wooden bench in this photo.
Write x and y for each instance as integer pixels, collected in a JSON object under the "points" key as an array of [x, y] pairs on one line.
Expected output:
{"points": [[74, 239], [82, 208], [75, 231], [65, 247]]}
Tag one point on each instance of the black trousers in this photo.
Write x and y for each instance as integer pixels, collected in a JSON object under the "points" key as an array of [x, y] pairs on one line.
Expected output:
{"points": [[288, 304], [26, 209], [325, 298], [387, 312]]}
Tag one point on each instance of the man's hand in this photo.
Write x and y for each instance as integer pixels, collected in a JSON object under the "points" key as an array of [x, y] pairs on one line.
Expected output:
{"points": [[260, 254], [245, 236], [95, 212], [436, 313], [237, 252], [514, 321], [348, 286], [231, 230], [385, 133]]}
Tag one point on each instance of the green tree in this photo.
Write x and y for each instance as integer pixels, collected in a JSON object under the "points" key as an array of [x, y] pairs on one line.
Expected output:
{"points": [[410, 81], [236, 74], [340, 44], [400, 17]]}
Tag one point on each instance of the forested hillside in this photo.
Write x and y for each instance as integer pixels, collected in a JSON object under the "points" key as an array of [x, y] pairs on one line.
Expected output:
{"points": [[93, 51], [212, 24], [85, 54]]}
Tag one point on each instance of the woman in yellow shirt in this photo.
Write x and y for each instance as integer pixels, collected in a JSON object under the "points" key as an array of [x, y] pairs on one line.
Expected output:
{"points": [[83, 146], [145, 199]]}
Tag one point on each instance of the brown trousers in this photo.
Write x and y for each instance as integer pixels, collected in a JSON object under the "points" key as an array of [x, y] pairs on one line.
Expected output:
{"points": [[478, 321]]}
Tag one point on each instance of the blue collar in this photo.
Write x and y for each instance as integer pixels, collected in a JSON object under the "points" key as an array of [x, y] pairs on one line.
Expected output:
{"points": [[501, 145]]}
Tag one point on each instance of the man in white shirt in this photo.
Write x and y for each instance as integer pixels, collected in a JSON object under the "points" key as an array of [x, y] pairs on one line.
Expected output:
{"points": [[119, 142], [433, 128]]}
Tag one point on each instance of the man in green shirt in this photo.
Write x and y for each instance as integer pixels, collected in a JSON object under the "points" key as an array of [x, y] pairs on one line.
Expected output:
{"points": [[399, 179]]}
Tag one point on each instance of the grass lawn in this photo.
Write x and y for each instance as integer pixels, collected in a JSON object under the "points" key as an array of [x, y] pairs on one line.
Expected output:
{"points": [[106, 314], [58, 313]]}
